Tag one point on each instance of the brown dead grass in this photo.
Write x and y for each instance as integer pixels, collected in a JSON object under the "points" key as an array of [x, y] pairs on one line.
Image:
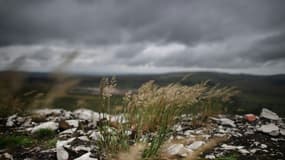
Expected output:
{"points": [[134, 153]]}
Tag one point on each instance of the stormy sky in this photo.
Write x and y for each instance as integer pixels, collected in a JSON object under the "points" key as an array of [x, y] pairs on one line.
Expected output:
{"points": [[143, 36]]}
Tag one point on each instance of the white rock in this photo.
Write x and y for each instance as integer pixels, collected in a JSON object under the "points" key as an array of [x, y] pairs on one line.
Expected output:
{"points": [[219, 135], [87, 114], [28, 123], [271, 129], [196, 145], [81, 132], [61, 153], [266, 113], [7, 156], [282, 131], [263, 146], [81, 148], [96, 136], [178, 149], [254, 150], [68, 131], [47, 111], [206, 136], [227, 122], [46, 125], [86, 156], [243, 151], [188, 132], [179, 137], [210, 156], [83, 138], [10, 120], [74, 123], [67, 114], [177, 128], [231, 147]]}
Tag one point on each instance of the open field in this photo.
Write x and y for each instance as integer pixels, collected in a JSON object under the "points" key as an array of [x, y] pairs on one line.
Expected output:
{"points": [[255, 91]]}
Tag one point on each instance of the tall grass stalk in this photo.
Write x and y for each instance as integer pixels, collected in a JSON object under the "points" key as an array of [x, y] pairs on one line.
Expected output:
{"points": [[155, 108]]}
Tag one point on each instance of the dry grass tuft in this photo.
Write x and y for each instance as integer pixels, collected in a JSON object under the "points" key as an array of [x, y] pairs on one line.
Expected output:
{"points": [[134, 153]]}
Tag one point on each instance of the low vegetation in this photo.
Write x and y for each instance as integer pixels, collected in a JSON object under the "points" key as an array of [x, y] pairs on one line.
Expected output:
{"points": [[154, 109], [230, 157], [44, 134], [14, 141]]}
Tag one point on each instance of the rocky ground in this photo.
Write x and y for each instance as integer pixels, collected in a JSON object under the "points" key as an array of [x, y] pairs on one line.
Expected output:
{"points": [[244, 136]]}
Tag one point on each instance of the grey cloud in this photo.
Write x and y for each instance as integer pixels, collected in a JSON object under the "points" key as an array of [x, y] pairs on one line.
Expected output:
{"points": [[110, 21], [215, 33]]}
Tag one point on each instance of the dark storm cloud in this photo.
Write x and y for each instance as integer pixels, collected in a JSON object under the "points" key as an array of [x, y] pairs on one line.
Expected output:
{"points": [[225, 34]]}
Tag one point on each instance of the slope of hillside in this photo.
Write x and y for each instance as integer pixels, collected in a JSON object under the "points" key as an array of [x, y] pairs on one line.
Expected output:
{"points": [[256, 91]]}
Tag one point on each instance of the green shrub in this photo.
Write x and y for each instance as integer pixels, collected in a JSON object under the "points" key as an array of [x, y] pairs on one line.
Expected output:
{"points": [[229, 157], [44, 134], [13, 141], [50, 143]]}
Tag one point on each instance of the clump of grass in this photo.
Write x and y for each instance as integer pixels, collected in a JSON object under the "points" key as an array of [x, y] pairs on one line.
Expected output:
{"points": [[114, 140], [44, 133], [10, 85], [148, 108], [107, 87], [155, 108], [13, 141], [229, 157], [155, 144], [50, 143]]}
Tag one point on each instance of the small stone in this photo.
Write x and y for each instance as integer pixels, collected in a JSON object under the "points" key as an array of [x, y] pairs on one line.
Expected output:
{"points": [[179, 150], [270, 129], [196, 145], [82, 148], [179, 137], [266, 113], [7, 156], [68, 131], [227, 122], [28, 123], [263, 146], [230, 147], [47, 112], [253, 151], [73, 123], [86, 156], [10, 120], [188, 132], [96, 136], [83, 138], [224, 121], [178, 128], [87, 114], [210, 156], [243, 151], [47, 125], [282, 131], [61, 153]]}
